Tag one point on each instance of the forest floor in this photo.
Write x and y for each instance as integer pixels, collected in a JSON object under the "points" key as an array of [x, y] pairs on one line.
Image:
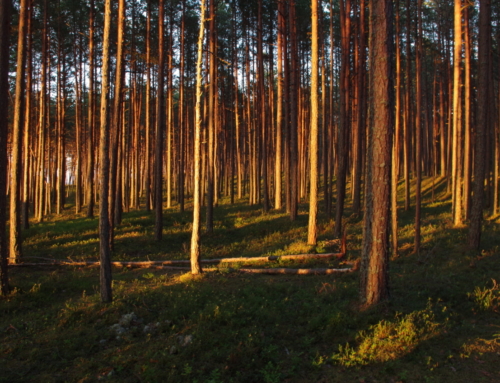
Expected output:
{"points": [[442, 323]]}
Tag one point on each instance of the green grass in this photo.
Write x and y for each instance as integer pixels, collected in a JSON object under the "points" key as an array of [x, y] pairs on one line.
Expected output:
{"points": [[442, 323]]}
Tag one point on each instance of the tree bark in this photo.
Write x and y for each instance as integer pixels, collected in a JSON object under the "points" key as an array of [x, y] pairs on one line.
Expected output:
{"points": [[104, 227], [15, 242], [375, 247], [5, 12], [160, 125], [195, 235], [483, 120], [312, 234]]}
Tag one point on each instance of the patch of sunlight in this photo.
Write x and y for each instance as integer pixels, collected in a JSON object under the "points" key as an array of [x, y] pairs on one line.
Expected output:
{"points": [[76, 243], [188, 277], [389, 340], [130, 234], [480, 346]]}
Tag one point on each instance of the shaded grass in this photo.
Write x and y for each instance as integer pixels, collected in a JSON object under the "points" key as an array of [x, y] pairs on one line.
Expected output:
{"points": [[253, 328]]}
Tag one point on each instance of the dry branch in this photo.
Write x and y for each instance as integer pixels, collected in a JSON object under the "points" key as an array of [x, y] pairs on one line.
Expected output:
{"points": [[185, 261]]}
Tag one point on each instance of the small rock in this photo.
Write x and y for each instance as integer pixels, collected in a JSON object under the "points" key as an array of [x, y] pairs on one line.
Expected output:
{"points": [[173, 350], [185, 340], [126, 319], [146, 329], [111, 373], [118, 329], [102, 341]]}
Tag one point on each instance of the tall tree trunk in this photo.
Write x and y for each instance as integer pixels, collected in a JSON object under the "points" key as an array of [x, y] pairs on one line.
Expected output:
{"points": [[361, 112], [418, 130], [343, 132], [408, 108], [279, 109], [395, 147], [27, 126], [15, 242], [115, 124], [195, 234], [160, 124], [457, 121], [5, 11], [91, 118], [467, 116], [312, 234], [375, 247], [147, 157], [104, 229], [212, 94], [483, 121]]}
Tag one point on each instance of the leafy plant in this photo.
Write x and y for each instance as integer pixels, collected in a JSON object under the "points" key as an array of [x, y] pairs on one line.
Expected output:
{"points": [[486, 299], [389, 340]]}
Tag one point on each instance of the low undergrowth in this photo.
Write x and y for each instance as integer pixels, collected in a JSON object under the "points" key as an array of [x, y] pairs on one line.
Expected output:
{"points": [[441, 325]]}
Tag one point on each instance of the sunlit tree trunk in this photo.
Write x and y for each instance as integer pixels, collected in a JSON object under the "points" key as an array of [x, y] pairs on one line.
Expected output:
{"points": [[15, 241], [395, 147], [104, 229], [375, 247], [160, 123], [312, 234], [5, 11], [115, 124], [195, 234], [147, 157], [457, 121], [27, 127], [343, 132], [212, 94]]}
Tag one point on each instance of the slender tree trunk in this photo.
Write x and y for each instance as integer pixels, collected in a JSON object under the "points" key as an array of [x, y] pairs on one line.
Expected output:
{"points": [[418, 131], [147, 157], [115, 124], [343, 132], [395, 147], [212, 94], [195, 236], [360, 129], [15, 242], [312, 235], [467, 117], [104, 228], [5, 19], [483, 120], [91, 119], [457, 121], [408, 106], [160, 125], [27, 126], [279, 109]]}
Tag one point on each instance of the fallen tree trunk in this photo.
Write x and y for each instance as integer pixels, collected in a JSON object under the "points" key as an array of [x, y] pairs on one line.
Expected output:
{"points": [[297, 271], [184, 261]]}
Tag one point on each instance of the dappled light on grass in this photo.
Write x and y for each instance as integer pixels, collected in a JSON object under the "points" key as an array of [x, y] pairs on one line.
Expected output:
{"points": [[389, 340]]}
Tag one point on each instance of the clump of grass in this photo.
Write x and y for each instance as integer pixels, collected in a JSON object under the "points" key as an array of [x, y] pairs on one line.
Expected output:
{"points": [[487, 298], [388, 340]]}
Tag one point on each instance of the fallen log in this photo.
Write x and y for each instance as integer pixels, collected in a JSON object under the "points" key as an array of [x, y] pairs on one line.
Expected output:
{"points": [[275, 271], [146, 264]]}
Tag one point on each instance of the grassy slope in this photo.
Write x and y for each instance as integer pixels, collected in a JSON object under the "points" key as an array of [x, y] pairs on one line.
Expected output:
{"points": [[252, 328]]}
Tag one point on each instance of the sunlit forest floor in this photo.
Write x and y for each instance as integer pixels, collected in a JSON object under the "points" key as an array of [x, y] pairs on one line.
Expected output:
{"points": [[442, 323]]}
